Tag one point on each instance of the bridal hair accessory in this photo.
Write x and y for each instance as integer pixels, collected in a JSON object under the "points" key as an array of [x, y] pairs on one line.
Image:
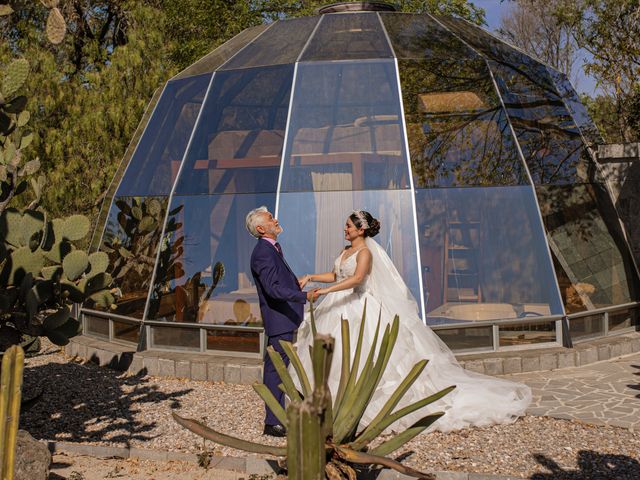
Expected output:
{"points": [[360, 216]]}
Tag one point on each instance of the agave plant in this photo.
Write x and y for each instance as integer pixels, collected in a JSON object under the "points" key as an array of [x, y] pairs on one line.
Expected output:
{"points": [[323, 436]]}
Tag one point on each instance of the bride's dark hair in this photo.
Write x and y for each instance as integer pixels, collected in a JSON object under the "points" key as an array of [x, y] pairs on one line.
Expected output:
{"points": [[362, 219]]}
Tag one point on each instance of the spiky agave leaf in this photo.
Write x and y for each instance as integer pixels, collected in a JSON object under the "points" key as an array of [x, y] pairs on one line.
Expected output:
{"points": [[287, 382], [374, 428], [354, 456], [353, 373], [266, 395], [227, 440], [297, 366], [394, 417], [399, 440], [351, 410], [346, 361]]}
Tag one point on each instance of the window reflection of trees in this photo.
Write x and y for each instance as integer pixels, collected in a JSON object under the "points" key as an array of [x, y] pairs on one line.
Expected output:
{"points": [[131, 241], [548, 137], [458, 133]]}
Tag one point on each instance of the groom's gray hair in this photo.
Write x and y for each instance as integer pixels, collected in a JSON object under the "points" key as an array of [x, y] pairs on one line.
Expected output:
{"points": [[253, 220]]}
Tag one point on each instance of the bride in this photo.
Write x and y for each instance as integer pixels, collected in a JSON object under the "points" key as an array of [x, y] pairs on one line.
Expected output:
{"points": [[364, 272]]}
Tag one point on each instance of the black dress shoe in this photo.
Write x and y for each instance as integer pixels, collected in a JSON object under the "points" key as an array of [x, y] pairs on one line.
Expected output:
{"points": [[275, 431]]}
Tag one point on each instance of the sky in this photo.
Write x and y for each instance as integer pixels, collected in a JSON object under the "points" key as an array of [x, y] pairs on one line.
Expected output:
{"points": [[495, 9]]}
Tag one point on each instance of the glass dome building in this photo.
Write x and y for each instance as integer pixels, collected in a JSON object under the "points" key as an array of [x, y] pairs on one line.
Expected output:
{"points": [[476, 158]]}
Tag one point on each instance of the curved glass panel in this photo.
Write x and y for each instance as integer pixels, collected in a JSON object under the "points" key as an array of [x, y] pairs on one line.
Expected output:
{"points": [[204, 274], [343, 134], [592, 260], [96, 237], [238, 143], [313, 223], [548, 137], [483, 255], [458, 133], [348, 36], [155, 164], [576, 108], [131, 238], [281, 43], [221, 54]]}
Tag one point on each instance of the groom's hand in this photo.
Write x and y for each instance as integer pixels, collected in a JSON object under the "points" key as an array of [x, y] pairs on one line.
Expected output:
{"points": [[312, 295]]}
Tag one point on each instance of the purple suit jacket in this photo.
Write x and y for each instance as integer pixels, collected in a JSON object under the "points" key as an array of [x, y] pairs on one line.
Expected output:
{"points": [[281, 300]]}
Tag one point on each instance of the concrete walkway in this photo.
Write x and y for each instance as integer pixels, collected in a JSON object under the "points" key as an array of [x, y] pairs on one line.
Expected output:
{"points": [[604, 393]]}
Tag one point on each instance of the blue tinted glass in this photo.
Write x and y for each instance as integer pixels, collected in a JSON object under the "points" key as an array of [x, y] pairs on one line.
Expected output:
{"points": [[204, 274], [238, 142], [313, 223], [281, 43], [576, 108], [592, 259], [484, 255], [348, 36], [131, 237], [548, 137], [343, 134], [157, 158]]}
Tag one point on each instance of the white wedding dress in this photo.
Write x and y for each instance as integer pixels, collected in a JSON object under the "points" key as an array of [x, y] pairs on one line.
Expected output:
{"points": [[478, 400]]}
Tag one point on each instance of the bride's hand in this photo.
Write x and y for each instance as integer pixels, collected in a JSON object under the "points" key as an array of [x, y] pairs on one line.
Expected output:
{"points": [[302, 281], [322, 291]]}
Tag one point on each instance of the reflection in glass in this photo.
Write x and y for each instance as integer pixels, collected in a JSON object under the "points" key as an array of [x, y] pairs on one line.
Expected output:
{"points": [[458, 132], [483, 255], [576, 108], [461, 339], [126, 331], [96, 326], [343, 134], [592, 261], [96, 237], [622, 320], [350, 36], [238, 142], [313, 235], [280, 44], [527, 333], [233, 341], [208, 278], [586, 327], [549, 139], [131, 238], [157, 158], [221, 54], [175, 338]]}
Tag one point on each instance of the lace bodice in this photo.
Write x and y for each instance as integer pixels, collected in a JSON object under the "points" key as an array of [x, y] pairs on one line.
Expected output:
{"points": [[346, 268]]}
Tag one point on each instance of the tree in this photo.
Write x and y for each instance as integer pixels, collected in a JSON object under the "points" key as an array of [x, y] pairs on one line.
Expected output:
{"points": [[542, 36], [609, 31]]}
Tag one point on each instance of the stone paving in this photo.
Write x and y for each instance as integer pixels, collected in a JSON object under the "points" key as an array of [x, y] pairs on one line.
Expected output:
{"points": [[605, 393]]}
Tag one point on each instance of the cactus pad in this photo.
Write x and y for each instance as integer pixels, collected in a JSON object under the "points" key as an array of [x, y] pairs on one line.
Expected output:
{"points": [[21, 262], [75, 264], [16, 74], [99, 262], [57, 319], [56, 27]]}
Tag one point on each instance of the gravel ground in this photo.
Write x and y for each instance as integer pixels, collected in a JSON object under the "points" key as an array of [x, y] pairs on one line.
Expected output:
{"points": [[92, 405]]}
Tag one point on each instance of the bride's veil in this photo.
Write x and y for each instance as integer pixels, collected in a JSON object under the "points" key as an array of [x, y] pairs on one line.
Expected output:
{"points": [[388, 287]]}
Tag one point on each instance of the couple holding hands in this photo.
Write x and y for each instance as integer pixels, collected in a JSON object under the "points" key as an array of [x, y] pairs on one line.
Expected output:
{"points": [[363, 272]]}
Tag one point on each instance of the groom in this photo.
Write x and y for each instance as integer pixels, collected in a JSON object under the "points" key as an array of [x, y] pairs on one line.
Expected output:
{"points": [[281, 301]]}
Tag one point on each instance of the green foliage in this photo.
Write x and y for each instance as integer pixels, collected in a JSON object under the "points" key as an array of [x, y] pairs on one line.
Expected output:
{"points": [[609, 31], [41, 271], [323, 436]]}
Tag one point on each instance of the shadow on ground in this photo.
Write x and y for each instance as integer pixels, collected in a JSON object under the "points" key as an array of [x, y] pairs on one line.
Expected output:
{"points": [[591, 465], [88, 403], [637, 385]]}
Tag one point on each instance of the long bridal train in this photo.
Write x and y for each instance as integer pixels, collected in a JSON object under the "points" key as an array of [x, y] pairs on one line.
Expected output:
{"points": [[478, 400]]}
